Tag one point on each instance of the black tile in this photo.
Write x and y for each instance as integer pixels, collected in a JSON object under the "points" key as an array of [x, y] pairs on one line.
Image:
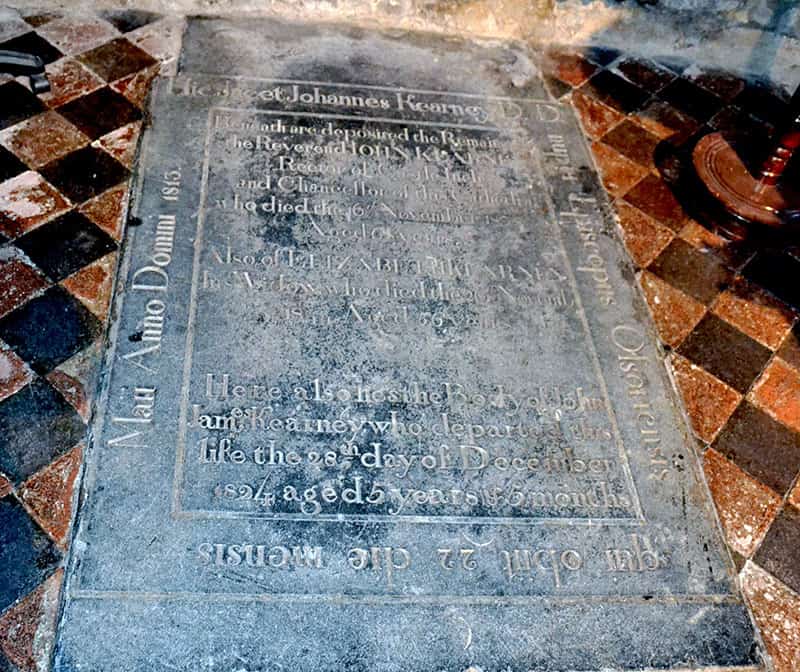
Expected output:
{"points": [[764, 102], [126, 20], [16, 104], [601, 55], [616, 92], [10, 165], [698, 274], [779, 553], [100, 112], [33, 43], [116, 59], [724, 351], [49, 329], [777, 273], [763, 447], [65, 245], [645, 74], [84, 173], [691, 99], [27, 556]]}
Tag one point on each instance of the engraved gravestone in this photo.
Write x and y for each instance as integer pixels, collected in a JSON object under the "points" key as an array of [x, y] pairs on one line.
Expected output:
{"points": [[381, 393]]}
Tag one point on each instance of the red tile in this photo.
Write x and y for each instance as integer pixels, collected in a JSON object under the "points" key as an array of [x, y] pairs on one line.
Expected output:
{"points": [[618, 173], [136, 87], [633, 142], [116, 59], [568, 66], [26, 201], [644, 238], [14, 374], [754, 312], [74, 34], [597, 119], [777, 392], [69, 80], [48, 495], [92, 285], [674, 313], [18, 280], [27, 630], [106, 210], [72, 390], [43, 138], [708, 401], [746, 507], [122, 143], [776, 610], [653, 197]]}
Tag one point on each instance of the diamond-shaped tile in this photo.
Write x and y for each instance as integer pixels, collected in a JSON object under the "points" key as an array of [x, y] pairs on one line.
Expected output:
{"points": [[644, 237], [106, 210], [674, 313], [18, 279], [14, 374], [708, 401], [596, 117], [100, 112], [92, 285], [117, 59], [616, 92], [634, 142], [778, 552], [765, 448], [698, 274], [18, 104], [755, 312], [85, 173], [49, 329], [122, 143], [617, 172], [33, 43], [646, 74], [745, 507], [10, 165], [653, 197], [68, 81], [126, 20], [27, 555], [48, 494], [27, 629], [725, 352], [66, 244], [776, 610], [74, 34], [72, 390], [38, 426], [43, 138], [777, 391], [136, 87], [26, 201], [691, 99]]}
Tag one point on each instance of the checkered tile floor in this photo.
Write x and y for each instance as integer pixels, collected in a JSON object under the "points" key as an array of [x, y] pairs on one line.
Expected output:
{"points": [[726, 312]]}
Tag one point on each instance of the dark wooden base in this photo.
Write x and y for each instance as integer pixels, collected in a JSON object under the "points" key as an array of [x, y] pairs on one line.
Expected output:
{"points": [[727, 178]]}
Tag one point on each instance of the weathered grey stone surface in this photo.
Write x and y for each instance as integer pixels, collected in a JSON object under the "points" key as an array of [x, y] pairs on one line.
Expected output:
{"points": [[382, 394]]}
